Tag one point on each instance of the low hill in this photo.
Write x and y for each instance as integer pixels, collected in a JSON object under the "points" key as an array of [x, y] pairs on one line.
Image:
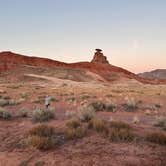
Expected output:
{"points": [[100, 70], [155, 74]]}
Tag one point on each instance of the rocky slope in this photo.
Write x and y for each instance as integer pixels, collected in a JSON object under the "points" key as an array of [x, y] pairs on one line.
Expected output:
{"points": [[100, 66], [155, 74]]}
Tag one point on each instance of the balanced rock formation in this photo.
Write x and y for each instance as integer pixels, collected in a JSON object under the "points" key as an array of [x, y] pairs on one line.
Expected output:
{"points": [[99, 57]]}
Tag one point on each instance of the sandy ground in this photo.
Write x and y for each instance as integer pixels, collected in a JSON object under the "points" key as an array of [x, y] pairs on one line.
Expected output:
{"points": [[92, 150]]}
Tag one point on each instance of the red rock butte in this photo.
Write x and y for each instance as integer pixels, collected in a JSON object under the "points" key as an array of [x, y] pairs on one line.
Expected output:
{"points": [[99, 57]]}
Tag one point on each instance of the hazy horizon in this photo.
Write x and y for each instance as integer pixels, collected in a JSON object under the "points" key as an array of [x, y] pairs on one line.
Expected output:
{"points": [[131, 33]]}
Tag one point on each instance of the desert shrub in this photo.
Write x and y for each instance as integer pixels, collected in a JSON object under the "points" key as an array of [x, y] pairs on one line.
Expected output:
{"points": [[42, 115], [156, 137], [99, 125], [13, 102], [75, 133], [97, 106], [42, 131], [120, 132], [40, 163], [71, 99], [4, 114], [86, 114], [43, 137], [23, 112], [158, 106], [131, 105], [110, 107], [4, 102], [73, 123], [121, 135], [109, 95], [41, 143], [84, 97], [161, 122], [119, 125], [24, 95]]}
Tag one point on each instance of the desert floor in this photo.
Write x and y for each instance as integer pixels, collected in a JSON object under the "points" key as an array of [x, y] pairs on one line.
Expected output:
{"points": [[93, 149]]}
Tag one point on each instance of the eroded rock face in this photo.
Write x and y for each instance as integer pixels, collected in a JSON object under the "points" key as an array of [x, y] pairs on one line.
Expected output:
{"points": [[99, 57]]}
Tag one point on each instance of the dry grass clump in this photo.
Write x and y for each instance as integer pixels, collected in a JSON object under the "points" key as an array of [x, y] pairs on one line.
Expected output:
{"points": [[42, 115], [73, 123], [43, 137], [75, 129], [156, 137], [4, 114], [119, 125], [76, 133], [97, 106], [42, 131], [86, 114], [99, 125], [121, 135], [120, 132]]}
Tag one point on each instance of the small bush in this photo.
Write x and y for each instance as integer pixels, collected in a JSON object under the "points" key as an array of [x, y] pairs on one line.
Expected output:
{"points": [[73, 123], [41, 143], [157, 137], [97, 106], [158, 106], [86, 114], [84, 97], [42, 115], [42, 131], [4, 114], [43, 137], [121, 135], [75, 133], [119, 125], [111, 107], [99, 125], [24, 95], [161, 122], [131, 105], [4, 102], [13, 102], [23, 112]]}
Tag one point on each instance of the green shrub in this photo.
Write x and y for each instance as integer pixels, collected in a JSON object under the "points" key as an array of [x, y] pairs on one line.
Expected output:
{"points": [[97, 106], [156, 137], [4, 114], [42, 115]]}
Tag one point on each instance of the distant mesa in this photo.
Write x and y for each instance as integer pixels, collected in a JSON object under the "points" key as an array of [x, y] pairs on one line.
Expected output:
{"points": [[99, 57]]}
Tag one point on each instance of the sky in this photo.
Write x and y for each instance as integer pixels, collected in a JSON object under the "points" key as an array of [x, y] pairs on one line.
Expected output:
{"points": [[131, 33]]}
